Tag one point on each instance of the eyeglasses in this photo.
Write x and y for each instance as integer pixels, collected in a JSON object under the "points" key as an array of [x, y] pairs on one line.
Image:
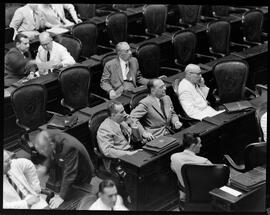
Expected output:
{"points": [[126, 50], [45, 44], [195, 73]]}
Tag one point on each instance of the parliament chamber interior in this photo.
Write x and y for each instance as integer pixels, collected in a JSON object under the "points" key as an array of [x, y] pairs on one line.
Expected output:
{"points": [[140, 107]]}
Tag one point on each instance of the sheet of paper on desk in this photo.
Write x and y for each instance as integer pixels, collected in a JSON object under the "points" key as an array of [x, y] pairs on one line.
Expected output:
{"points": [[230, 191], [44, 66], [57, 30]]}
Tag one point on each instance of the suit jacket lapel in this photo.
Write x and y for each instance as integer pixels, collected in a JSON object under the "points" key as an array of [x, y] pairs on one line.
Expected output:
{"points": [[119, 70], [157, 107]]}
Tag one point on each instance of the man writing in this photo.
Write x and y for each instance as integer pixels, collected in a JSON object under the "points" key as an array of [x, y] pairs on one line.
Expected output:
{"points": [[122, 73]]}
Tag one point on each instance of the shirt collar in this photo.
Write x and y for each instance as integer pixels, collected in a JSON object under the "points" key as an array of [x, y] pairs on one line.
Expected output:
{"points": [[189, 152]]}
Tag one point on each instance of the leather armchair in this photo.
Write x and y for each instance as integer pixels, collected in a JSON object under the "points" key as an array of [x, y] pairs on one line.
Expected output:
{"points": [[199, 180], [87, 33], [254, 155], [231, 76], [29, 105], [134, 101], [148, 55]]}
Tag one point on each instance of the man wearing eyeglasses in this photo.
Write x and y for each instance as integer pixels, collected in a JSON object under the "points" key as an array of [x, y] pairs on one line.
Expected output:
{"points": [[51, 53], [192, 93], [122, 73]]}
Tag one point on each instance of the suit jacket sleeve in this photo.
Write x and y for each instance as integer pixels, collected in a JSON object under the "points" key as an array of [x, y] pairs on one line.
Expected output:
{"points": [[66, 58], [139, 78], [16, 62], [106, 141], [105, 79], [70, 171], [38, 56], [174, 118], [138, 113]]}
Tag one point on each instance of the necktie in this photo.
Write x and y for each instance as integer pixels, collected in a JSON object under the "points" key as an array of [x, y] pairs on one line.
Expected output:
{"points": [[48, 56], [127, 71], [15, 187], [162, 107], [124, 132]]}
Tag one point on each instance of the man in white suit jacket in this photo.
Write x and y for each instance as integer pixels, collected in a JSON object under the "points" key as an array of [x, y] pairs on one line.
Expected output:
{"points": [[22, 172], [192, 93]]}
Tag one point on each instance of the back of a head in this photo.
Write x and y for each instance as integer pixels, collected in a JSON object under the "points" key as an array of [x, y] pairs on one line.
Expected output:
{"points": [[151, 84], [192, 68], [104, 184], [189, 139]]}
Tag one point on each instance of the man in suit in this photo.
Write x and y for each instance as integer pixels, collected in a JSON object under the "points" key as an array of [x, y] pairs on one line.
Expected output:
{"points": [[108, 199], [121, 73], [53, 52], [155, 114], [68, 157], [27, 20], [18, 62], [21, 187], [192, 93], [192, 145], [115, 132]]}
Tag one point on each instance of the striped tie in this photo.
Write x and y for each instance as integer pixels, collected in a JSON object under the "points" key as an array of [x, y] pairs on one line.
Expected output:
{"points": [[15, 187]]}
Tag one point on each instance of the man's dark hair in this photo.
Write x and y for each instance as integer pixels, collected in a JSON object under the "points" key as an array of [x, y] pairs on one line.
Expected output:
{"points": [[111, 107], [18, 38], [104, 184], [150, 84], [189, 139]]}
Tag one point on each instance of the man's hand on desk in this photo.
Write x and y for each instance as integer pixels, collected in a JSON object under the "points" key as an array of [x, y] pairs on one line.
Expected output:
{"points": [[56, 201], [57, 66], [133, 152], [113, 94], [148, 136], [177, 125]]}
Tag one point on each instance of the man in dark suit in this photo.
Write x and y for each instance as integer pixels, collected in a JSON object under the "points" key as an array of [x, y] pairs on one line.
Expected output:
{"points": [[122, 73], [18, 63], [65, 153], [155, 113]]}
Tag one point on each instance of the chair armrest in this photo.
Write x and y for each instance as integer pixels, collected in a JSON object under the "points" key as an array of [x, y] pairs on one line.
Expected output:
{"points": [[67, 106], [82, 58], [264, 34], [237, 10], [205, 56], [250, 91], [175, 27], [138, 36], [100, 97], [151, 34], [250, 42], [207, 18], [232, 164], [170, 70], [216, 97], [239, 44], [216, 53], [54, 113], [27, 129], [106, 47]]}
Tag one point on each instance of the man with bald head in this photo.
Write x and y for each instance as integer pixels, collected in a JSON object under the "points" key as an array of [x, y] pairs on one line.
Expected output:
{"points": [[192, 93], [121, 73], [50, 51], [65, 153]]}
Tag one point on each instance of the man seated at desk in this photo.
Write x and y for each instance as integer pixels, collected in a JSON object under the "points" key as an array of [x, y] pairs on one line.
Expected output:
{"points": [[52, 55], [66, 157], [122, 73], [155, 114], [18, 62], [115, 132], [21, 186], [192, 145], [54, 14], [28, 20], [108, 199], [192, 93]]}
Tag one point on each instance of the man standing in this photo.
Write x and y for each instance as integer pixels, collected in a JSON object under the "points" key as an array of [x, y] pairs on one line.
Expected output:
{"points": [[155, 114], [18, 63], [50, 51], [65, 153], [192, 93], [192, 145], [27, 20], [121, 73], [108, 199], [116, 131], [21, 185]]}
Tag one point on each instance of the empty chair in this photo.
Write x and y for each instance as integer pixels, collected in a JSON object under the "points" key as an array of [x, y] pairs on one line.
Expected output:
{"points": [[9, 33], [218, 34], [254, 155], [185, 49], [87, 11], [75, 82], [231, 77], [252, 24], [117, 29], [199, 180], [29, 105], [122, 7], [87, 33], [72, 44], [148, 55], [223, 11]]}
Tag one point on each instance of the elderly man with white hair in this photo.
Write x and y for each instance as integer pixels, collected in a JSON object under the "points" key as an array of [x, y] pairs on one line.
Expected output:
{"points": [[121, 73], [192, 93]]}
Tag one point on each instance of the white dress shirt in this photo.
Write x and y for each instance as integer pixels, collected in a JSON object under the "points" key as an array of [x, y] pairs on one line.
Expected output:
{"points": [[264, 125], [125, 69], [99, 205]]}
